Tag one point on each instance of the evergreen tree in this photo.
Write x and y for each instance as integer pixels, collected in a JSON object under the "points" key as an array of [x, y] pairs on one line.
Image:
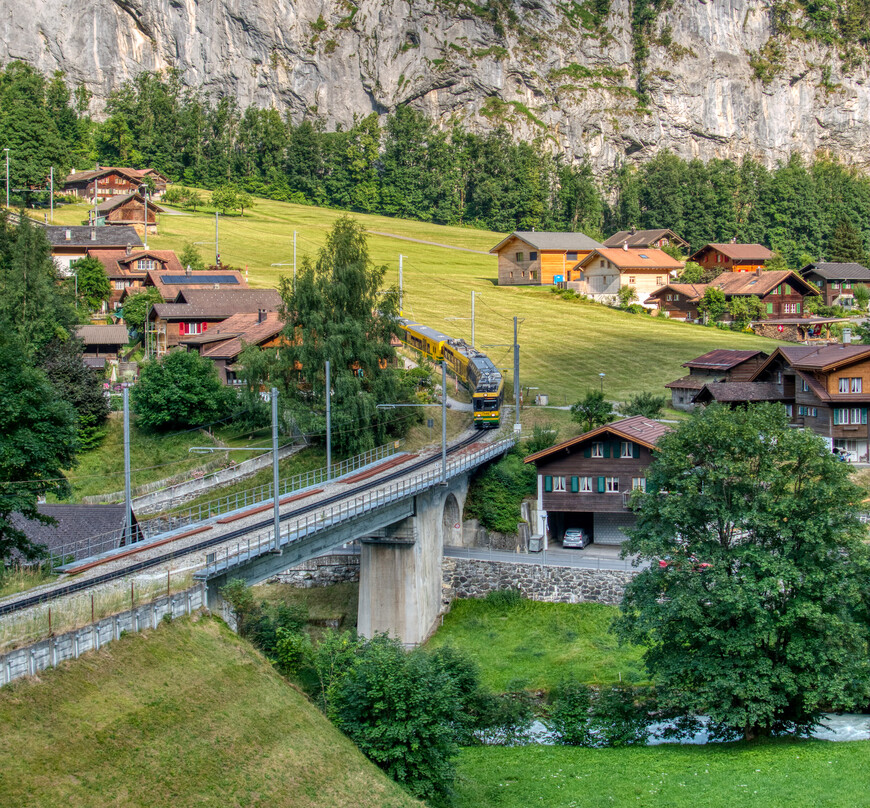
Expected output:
{"points": [[847, 245]]}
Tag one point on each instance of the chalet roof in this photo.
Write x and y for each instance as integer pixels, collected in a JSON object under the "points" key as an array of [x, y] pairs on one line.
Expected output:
{"points": [[641, 259], [688, 383], [133, 174], [116, 201], [722, 359], [173, 279], [751, 253], [838, 272], [637, 428], [74, 522], [821, 357], [219, 303], [103, 334], [117, 262], [91, 236], [735, 392], [691, 291], [551, 241], [230, 335], [760, 283], [641, 238]]}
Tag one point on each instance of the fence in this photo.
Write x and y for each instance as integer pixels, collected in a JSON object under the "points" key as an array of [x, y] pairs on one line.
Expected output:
{"points": [[80, 549], [49, 653], [312, 523]]}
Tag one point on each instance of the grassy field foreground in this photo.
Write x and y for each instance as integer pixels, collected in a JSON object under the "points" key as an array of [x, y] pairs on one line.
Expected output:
{"points": [[812, 774], [182, 716]]}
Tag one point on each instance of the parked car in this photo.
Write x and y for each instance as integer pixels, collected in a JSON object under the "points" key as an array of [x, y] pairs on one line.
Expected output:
{"points": [[575, 538]]}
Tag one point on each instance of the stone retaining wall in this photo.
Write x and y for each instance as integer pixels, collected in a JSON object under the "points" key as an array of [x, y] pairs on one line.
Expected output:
{"points": [[472, 578], [322, 571]]}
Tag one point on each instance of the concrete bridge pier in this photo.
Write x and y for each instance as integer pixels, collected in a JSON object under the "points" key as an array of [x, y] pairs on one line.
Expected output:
{"points": [[400, 566]]}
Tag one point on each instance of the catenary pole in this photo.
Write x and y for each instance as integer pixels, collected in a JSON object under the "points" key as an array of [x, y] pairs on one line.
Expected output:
{"points": [[516, 380], [276, 508], [328, 425], [400, 281], [51, 195], [7, 176], [294, 261], [443, 422], [128, 494], [217, 249]]}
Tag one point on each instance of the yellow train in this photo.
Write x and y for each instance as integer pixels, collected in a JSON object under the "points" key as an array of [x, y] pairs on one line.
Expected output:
{"points": [[472, 367]]}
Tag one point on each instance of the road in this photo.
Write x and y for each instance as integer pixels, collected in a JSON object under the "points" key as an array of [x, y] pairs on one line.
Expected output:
{"points": [[594, 557]]}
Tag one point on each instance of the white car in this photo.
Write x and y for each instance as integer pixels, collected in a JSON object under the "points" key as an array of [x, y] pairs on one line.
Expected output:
{"points": [[575, 538]]}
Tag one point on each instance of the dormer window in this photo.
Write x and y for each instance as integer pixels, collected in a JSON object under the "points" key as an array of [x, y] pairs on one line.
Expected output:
{"points": [[144, 264]]}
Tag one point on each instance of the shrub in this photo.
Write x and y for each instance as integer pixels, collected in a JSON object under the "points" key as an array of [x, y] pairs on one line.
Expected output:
{"points": [[543, 437], [571, 718], [496, 493], [620, 716], [648, 405], [504, 718], [504, 598]]}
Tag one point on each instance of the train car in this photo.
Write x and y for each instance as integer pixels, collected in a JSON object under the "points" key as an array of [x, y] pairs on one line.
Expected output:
{"points": [[487, 397], [422, 338]]}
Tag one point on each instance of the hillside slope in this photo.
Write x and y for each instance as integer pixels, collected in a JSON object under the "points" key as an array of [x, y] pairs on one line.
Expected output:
{"points": [[185, 715], [718, 79]]}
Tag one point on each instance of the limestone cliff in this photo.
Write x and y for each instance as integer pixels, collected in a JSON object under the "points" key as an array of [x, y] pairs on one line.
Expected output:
{"points": [[538, 66]]}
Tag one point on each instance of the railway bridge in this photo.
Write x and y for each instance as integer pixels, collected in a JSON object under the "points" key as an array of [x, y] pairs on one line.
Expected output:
{"points": [[402, 528]]}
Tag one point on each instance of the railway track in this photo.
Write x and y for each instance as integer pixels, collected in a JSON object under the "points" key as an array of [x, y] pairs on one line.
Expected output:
{"points": [[155, 561]]}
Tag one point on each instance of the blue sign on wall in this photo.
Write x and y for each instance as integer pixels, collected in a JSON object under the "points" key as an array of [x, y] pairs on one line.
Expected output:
{"points": [[558, 278]]}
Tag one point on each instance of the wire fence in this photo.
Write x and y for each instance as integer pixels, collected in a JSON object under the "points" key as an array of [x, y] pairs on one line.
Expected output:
{"points": [[329, 517], [90, 546]]}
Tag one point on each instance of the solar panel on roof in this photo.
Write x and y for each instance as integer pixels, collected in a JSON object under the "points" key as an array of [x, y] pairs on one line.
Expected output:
{"points": [[228, 279]]}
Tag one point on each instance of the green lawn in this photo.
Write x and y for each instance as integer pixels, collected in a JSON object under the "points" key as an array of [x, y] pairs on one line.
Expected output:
{"points": [[182, 716], [535, 645], [565, 344], [813, 774]]}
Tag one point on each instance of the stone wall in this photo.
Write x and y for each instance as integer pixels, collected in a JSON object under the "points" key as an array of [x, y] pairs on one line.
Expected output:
{"points": [[472, 578], [321, 571]]}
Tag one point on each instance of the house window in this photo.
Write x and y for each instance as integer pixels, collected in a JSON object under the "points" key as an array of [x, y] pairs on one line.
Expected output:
{"points": [[835, 285], [805, 388], [789, 410], [631, 279], [519, 258], [676, 298], [533, 256], [853, 415], [585, 485], [810, 412], [611, 485], [571, 256], [669, 297], [597, 450], [119, 284], [146, 264], [559, 484], [658, 280], [791, 308], [533, 275], [847, 285], [857, 385], [627, 449], [844, 385], [638, 484]]}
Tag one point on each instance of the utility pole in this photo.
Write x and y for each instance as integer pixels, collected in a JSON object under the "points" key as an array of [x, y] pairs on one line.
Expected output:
{"points": [[517, 426], [443, 422], [276, 509], [328, 425], [400, 281], [128, 495], [294, 261], [7, 176], [472, 319], [217, 250], [51, 195], [145, 197]]}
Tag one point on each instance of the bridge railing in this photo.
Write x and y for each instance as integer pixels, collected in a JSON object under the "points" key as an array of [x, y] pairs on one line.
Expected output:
{"points": [[89, 546], [332, 515]]}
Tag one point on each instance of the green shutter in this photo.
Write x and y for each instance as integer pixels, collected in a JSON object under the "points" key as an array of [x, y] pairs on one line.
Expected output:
{"points": [[548, 483], [575, 483], [606, 448], [770, 308], [635, 450], [587, 452], [864, 415], [836, 417], [601, 485]]}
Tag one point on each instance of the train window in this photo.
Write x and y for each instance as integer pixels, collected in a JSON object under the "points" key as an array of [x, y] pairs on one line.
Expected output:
{"points": [[490, 404]]}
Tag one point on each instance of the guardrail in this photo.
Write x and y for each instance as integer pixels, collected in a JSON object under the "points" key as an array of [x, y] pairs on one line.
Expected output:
{"points": [[158, 524], [312, 523]]}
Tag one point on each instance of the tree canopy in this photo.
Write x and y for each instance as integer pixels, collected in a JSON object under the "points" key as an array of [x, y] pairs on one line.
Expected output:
{"points": [[754, 609], [592, 411], [92, 282], [136, 307]]}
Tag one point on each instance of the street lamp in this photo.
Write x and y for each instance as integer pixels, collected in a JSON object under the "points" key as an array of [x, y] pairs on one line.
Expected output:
{"points": [[443, 406], [601, 376]]}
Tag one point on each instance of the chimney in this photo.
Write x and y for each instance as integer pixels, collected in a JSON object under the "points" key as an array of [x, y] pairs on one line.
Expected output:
{"points": [[633, 231], [187, 270], [733, 239], [625, 246], [847, 336], [93, 234], [68, 234], [261, 315], [129, 248]]}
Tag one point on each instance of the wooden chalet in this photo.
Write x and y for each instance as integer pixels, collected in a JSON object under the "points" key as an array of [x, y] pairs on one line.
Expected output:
{"points": [[720, 365], [732, 257], [224, 342], [823, 388], [108, 181], [128, 210], [170, 278], [587, 481], [836, 282], [103, 341], [128, 269], [646, 239], [195, 311], [601, 274], [72, 242], [540, 259]]}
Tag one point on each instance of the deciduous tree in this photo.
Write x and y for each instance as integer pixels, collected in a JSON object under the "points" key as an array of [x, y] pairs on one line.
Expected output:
{"points": [[135, 308], [92, 282], [713, 304], [592, 411]]}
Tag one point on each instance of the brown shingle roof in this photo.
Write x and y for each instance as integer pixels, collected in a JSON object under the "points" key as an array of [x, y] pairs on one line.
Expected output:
{"points": [[543, 240], [760, 283], [691, 291], [218, 303], [650, 259], [641, 238], [244, 328], [722, 359], [750, 253], [119, 265], [637, 428], [688, 383], [92, 236], [103, 334], [738, 392], [116, 201]]}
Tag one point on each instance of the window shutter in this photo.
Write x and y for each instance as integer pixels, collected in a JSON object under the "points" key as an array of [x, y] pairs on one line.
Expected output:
{"points": [[836, 417], [575, 481], [797, 307], [864, 415], [635, 448], [587, 452], [548, 483], [770, 308], [606, 448], [601, 485]]}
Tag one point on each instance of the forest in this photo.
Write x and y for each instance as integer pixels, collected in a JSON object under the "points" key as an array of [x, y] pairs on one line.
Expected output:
{"points": [[405, 165]]}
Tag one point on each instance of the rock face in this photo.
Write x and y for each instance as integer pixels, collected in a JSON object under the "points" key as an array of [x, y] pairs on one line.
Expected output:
{"points": [[532, 66]]}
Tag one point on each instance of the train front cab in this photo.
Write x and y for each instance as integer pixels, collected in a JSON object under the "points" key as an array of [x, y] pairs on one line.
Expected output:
{"points": [[487, 410]]}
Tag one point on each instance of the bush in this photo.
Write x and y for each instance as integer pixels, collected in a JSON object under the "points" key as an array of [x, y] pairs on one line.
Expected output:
{"points": [[543, 437], [504, 598], [618, 715], [496, 493], [571, 718], [648, 405], [504, 719]]}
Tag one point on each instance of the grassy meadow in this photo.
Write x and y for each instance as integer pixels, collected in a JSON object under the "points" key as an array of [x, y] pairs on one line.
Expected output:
{"points": [[185, 715], [815, 774], [533, 646], [564, 344]]}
